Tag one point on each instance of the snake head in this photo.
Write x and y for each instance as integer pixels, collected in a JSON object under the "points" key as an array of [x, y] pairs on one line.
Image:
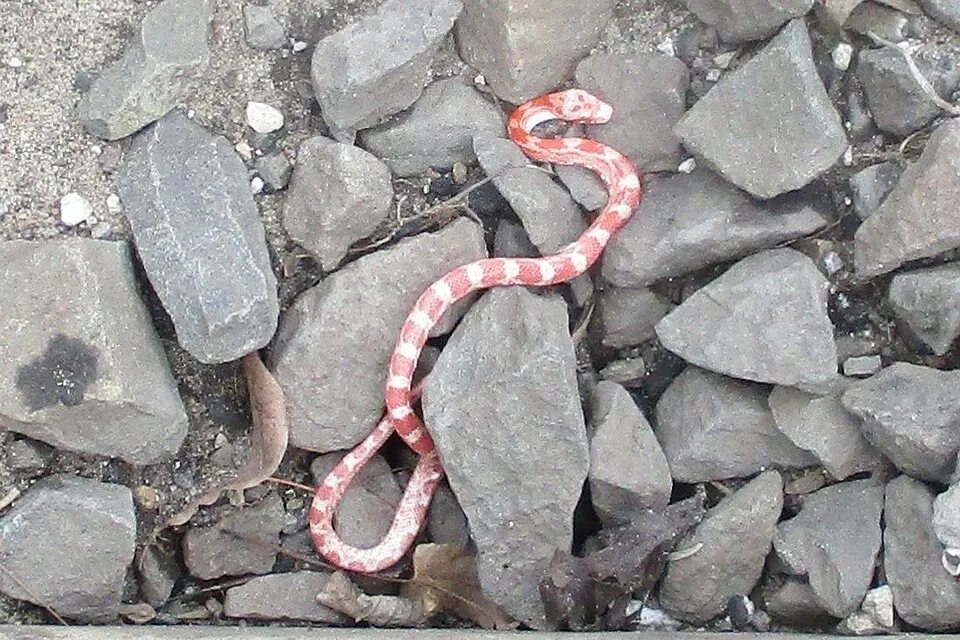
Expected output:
{"points": [[579, 106]]}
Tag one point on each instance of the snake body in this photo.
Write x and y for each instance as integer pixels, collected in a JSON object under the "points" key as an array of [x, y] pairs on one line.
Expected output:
{"points": [[623, 185]]}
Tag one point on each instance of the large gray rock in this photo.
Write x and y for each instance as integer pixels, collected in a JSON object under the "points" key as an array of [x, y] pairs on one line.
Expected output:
{"points": [[70, 541], [282, 596], [777, 95], [743, 20], [438, 131], [524, 51], [945, 11], [870, 187], [920, 218], [765, 319], [198, 232], [712, 428], [81, 365], [898, 104], [332, 349], [927, 302], [834, 541], [627, 317], [507, 377], [261, 28], [628, 471], [924, 595], [379, 65], [338, 194], [736, 536], [688, 221], [165, 61], [822, 426], [911, 414]]}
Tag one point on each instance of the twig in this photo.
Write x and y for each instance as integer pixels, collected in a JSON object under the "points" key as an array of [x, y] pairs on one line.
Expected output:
{"points": [[32, 595], [291, 483], [915, 72]]}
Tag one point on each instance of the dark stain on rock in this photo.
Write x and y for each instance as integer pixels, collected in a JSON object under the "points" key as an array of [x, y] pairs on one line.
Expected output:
{"points": [[60, 375]]}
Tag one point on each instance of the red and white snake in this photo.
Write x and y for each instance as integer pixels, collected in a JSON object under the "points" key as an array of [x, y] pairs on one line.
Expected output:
{"points": [[624, 189]]}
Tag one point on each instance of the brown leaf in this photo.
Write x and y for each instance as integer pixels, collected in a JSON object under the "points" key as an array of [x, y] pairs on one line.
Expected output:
{"points": [[268, 439], [340, 594], [138, 613], [446, 579]]}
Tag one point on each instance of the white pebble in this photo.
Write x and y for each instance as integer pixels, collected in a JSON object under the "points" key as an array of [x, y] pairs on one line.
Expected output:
{"points": [[666, 47], [14, 62], [713, 75], [848, 157], [74, 209], [263, 118], [687, 166], [480, 80], [191, 113], [842, 54], [256, 184], [299, 46], [244, 149], [113, 203]]}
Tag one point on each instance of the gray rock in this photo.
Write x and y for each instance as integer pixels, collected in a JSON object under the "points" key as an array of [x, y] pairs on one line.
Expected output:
{"points": [[946, 12], [446, 521], [70, 540], [366, 511], [524, 51], [157, 576], [689, 221], [438, 131], [333, 346], [712, 428], [794, 603], [744, 20], [777, 95], [861, 366], [736, 536], [869, 187], [834, 540], [919, 218], [199, 235], [927, 302], [518, 489], [765, 319], [625, 371], [282, 596], [875, 616], [924, 595], [822, 426], [275, 170], [338, 194], [912, 416], [585, 186], [511, 241], [627, 316], [81, 365], [261, 27], [628, 471], [26, 455], [946, 516], [214, 551], [895, 98], [648, 94], [164, 62], [379, 65], [886, 22]]}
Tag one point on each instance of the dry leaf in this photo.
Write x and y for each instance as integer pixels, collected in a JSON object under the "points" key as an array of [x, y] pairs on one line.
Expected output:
{"points": [[446, 579], [139, 613], [268, 439], [341, 595]]}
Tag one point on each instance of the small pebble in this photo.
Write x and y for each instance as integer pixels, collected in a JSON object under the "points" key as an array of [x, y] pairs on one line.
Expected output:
{"points": [[713, 75], [263, 118], [275, 170], [832, 262], [740, 609], [862, 365], [666, 47], [687, 166], [256, 184], [113, 203], [101, 231], [299, 46], [848, 157], [146, 496], [842, 54], [723, 60], [14, 62], [74, 209], [245, 150], [459, 172]]}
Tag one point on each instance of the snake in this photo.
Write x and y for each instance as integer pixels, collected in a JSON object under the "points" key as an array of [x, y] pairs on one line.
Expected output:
{"points": [[624, 189]]}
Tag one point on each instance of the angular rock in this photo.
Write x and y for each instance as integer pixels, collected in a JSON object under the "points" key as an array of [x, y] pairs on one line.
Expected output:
{"points": [[366, 511], [338, 194], [627, 316], [261, 28], [214, 551], [745, 20], [82, 367], [275, 170], [585, 186], [911, 414], [446, 521], [834, 540], [777, 95], [514, 353], [689, 221], [821, 425], [924, 595], [522, 50], [875, 616], [511, 241], [794, 603], [282, 596], [870, 187], [946, 516], [765, 319], [158, 576], [927, 301], [164, 62], [333, 346], [898, 103], [947, 12], [712, 428], [862, 366], [886, 22], [379, 65], [27, 455], [438, 131], [70, 540], [200, 238], [628, 471], [919, 218], [736, 536]]}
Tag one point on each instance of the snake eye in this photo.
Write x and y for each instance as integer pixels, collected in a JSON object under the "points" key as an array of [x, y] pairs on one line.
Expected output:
{"points": [[950, 559]]}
